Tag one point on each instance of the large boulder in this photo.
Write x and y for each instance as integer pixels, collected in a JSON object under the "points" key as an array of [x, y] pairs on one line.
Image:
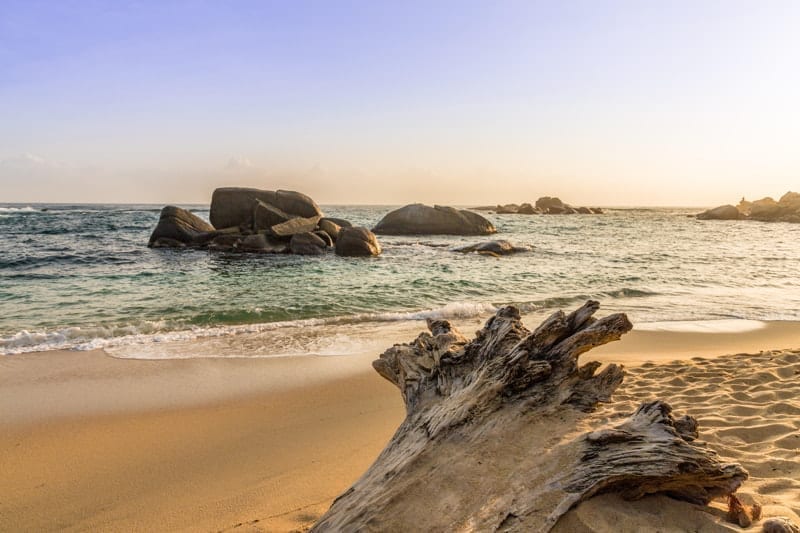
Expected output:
{"points": [[419, 219], [307, 244], [294, 226], [297, 204], [723, 212], [177, 226], [233, 206], [359, 242], [330, 227], [267, 215], [342, 223]]}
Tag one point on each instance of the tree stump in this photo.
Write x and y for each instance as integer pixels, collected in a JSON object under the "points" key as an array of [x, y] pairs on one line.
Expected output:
{"points": [[497, 435]]}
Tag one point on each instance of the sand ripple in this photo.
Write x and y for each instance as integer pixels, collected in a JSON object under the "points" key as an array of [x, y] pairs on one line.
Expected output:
{"points": [[748, 407]]}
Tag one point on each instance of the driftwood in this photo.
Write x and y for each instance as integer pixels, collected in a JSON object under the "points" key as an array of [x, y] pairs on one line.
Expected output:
{"points": [[495, 437]]}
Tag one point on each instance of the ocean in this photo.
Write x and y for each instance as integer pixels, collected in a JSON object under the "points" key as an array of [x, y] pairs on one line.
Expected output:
{"points": [[81, 277]]}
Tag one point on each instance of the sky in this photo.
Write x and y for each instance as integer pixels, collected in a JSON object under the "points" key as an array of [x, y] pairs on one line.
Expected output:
{"points": [[678, 103]]}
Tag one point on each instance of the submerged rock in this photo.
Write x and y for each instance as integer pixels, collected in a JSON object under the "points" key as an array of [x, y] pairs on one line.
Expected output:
{"points": [[419, 219], [178, 227], [358, 242], [496, 248]]}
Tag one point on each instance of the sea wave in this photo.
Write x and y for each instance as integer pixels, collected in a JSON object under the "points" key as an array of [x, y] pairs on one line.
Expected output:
{"points": [[26, 209], [149, 332], [163, 331], [567, 301]]}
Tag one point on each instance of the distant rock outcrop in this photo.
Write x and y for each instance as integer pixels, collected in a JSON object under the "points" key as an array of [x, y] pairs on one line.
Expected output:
{"points": [[256, 221], [550, 204], [545, 205], [419, 219], [787, 209]]}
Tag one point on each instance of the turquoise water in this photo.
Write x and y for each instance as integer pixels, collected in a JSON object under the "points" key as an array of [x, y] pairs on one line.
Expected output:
{"points": [[81, 276]]}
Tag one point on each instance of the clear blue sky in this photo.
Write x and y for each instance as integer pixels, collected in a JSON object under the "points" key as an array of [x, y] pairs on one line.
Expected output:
{"points": [[615, 103]]}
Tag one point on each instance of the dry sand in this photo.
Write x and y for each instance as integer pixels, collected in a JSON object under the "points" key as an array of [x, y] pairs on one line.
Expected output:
{"points": [[89, 442]]}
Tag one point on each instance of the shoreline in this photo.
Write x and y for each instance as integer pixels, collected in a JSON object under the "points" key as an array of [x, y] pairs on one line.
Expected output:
{"points": [[91, 441]]}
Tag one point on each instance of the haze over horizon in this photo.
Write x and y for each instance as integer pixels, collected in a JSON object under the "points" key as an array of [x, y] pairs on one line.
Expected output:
{"points": [[600, 103]]}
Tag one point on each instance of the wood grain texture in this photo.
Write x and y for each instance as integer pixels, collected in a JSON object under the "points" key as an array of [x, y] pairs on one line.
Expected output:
{"points": [[495, 436]]}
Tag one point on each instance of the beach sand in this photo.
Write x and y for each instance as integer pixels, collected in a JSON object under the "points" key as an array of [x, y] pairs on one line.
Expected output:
{"points": [[91, 442]]}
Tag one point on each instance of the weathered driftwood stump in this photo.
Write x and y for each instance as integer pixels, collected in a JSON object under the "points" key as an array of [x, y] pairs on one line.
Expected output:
{"points": [[495, 437]]}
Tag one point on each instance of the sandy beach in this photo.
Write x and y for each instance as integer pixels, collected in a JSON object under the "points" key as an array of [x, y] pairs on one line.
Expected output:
{"points": [[92, 442]]}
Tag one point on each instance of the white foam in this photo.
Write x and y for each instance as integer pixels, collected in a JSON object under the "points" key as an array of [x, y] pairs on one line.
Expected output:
{"points": [[451, 310], [733, 325], [157, 332], [27, 209]]}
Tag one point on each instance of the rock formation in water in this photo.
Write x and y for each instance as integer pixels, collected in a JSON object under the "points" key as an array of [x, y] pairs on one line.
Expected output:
{"points": [[545, 205], [723, 212], [178, 227], [493, 248], [499, 435], [787, 209], [356, 242], [256, 221], [419, 219]]}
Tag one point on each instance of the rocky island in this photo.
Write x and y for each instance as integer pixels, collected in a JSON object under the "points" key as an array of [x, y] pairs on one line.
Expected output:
{"points": [[787, 209], [254, 220], [546, 205]]}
